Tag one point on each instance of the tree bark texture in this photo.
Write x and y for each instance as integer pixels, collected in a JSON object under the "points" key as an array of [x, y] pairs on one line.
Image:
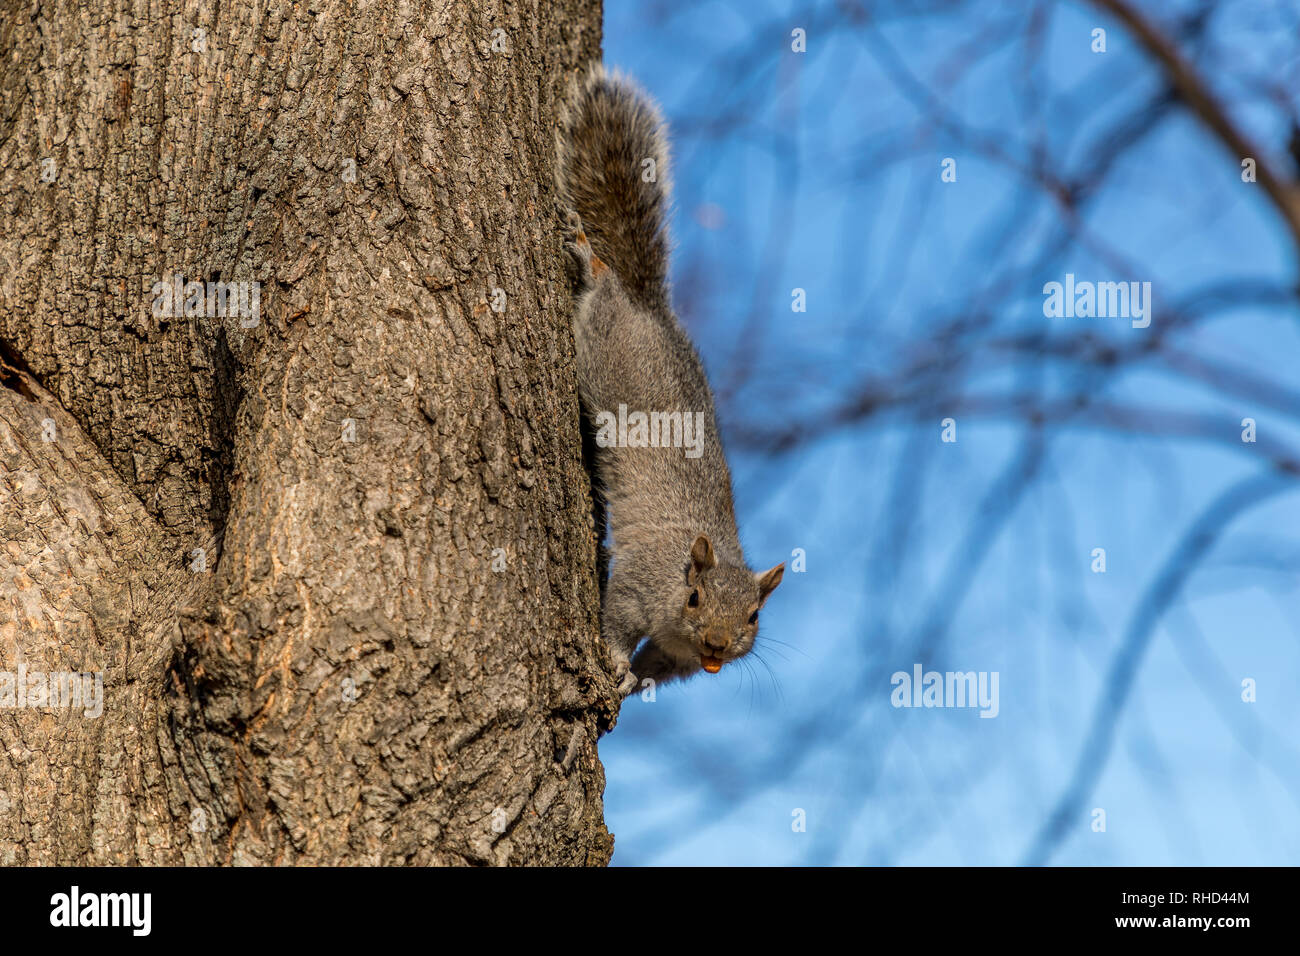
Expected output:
{"points": [[337, 568]]}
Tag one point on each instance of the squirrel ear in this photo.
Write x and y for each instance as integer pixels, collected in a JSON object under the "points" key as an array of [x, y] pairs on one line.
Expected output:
{"points": [[702, 556], [768, 580]]}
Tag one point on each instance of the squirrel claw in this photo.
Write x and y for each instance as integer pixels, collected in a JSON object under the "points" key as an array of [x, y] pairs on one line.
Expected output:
{"points": [[580, 249], [590, 265], [627, 681]]}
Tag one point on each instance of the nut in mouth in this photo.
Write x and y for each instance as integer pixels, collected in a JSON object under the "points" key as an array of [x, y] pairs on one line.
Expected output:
{"points": [[711, 664]]}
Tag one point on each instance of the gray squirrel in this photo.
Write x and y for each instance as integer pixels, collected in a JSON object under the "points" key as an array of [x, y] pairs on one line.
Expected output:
{"points": [[678, 576]]}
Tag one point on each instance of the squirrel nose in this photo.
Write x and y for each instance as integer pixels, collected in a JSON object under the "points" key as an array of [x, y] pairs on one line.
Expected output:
{"points": [[717, 642]]}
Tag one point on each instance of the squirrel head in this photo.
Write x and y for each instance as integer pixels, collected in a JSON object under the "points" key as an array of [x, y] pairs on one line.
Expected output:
{"points": [[720, 611]]}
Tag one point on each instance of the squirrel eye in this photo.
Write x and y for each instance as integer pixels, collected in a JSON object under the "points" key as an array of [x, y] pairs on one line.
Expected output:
{"points": [[694, 600], [753, 618]]}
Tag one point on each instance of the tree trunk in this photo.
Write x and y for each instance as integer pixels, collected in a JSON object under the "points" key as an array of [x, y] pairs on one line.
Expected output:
{"points": [[337, 567]]}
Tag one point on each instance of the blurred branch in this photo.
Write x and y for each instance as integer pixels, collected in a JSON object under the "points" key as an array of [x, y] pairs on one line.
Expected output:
{"points": [[1284, 193], [1168, 583]]}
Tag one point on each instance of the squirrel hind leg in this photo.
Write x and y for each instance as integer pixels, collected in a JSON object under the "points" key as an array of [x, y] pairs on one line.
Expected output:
{"points": [[590, 266]]}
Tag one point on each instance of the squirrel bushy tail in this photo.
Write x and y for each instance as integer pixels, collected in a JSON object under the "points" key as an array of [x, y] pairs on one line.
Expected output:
{"points": [[614, 175]]}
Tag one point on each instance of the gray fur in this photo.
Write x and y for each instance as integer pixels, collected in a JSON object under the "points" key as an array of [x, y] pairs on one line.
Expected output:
{"points": [[673, 523], [608, 133]]}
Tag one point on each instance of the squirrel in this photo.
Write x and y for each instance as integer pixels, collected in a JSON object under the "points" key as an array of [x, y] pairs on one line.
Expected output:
{"points": [[677, 576]]}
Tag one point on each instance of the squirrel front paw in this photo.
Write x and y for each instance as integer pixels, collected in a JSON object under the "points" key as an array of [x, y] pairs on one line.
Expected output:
{"points": [[627, 681]]}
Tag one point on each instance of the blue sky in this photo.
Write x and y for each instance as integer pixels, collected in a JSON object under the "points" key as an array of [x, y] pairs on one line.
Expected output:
{"points": [[821, 171]]}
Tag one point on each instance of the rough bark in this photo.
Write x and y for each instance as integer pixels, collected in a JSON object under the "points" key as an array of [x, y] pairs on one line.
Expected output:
{"points": [[352, 672]]}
